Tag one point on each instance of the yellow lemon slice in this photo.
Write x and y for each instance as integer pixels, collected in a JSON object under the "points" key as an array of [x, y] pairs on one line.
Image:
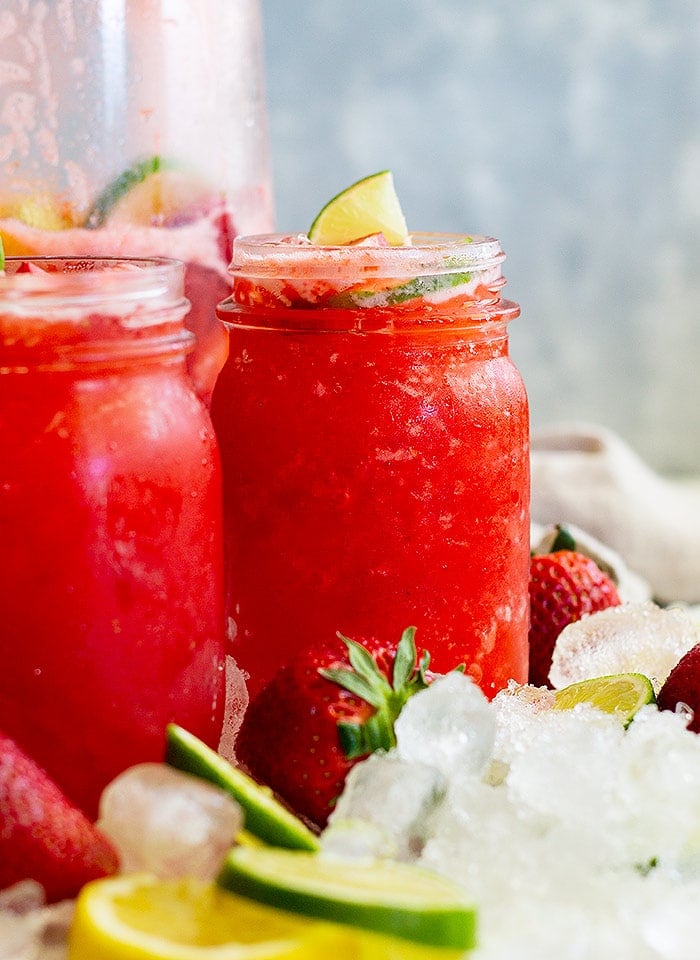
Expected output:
{"points": [[368, 207], [137, 917]]}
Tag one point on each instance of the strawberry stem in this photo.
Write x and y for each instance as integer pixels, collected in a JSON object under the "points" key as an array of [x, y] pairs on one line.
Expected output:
{"points": [[366, 680]]}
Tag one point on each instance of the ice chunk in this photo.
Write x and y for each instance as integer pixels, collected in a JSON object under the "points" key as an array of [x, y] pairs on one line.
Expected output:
{"points": [[395, 797], [168, 822], [20, 926], [29, 930], [633, 637], [451, 726]]}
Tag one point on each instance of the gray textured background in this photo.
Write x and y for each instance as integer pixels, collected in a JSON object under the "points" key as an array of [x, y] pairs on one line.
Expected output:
{"points": [[570, 131]]}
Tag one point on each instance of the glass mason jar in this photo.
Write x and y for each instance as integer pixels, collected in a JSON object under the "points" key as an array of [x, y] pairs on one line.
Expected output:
{"points": [[374, 437], [111, 552], [136, 128]]}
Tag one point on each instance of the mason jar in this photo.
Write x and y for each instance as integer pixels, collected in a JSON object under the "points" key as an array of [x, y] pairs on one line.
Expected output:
{"points": [[374, 437], [136, 128], [111, 584]]}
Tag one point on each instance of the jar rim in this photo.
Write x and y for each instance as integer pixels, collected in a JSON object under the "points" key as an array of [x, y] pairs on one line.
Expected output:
{"points": [[116, 284], [426, 254]]}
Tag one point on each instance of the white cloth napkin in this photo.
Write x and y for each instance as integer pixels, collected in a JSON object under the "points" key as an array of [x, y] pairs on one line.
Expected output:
{"points": [[588, 476]]}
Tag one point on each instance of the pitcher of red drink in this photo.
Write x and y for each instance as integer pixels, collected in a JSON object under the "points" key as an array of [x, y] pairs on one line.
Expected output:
{"points": [[374, 435], [136, 129]]}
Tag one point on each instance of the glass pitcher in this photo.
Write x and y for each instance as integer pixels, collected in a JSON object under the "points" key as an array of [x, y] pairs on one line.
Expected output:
{"points": [[136, 128]]}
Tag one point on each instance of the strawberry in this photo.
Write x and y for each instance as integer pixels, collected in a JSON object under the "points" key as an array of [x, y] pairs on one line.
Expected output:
{"points": [[682, 686], [322, 712], [564, 586], [43, 837]]}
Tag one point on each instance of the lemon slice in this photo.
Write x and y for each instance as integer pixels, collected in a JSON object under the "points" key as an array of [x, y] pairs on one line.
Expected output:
{"points": [[368, 207], [393, 899], [137, 917], [621, 694], [265, 817]]}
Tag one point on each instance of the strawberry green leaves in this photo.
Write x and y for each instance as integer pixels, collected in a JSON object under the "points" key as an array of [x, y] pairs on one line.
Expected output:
{"points": [[366, 680]]}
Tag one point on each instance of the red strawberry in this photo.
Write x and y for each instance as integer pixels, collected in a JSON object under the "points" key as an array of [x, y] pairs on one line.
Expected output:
{"points": [[43, 837], [683, 686], [564, 586], [322, 712]]}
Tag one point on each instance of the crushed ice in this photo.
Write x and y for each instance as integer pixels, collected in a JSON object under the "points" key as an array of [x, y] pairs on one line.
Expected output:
{"points": [[576, 838]]}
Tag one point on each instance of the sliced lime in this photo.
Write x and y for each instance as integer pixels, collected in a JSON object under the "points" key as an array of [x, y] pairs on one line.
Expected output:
{"points": [[368, 207], [118, 188], [265, 817], [2, 256], [401, 293], [621, 694], [394, 899]]}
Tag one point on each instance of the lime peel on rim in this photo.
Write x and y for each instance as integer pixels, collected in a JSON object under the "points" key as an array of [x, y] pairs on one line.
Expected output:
{"points": [[265, 818], [389, 898], [368, 207], [620, 694]]}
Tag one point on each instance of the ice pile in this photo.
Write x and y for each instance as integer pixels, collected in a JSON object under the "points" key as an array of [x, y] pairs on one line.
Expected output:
{"points": [[577, 839]]}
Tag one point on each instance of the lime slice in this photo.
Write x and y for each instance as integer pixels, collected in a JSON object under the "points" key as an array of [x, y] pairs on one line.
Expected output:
{"points": [[137, 917], [119, 188], [265, 817], [153, 192], [367, 207], [2, 256], [621, 694], [393, 899]]}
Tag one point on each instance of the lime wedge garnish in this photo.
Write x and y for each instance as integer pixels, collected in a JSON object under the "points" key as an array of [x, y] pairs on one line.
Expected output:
{"points": [[368, 207], [265, 817], [621, 694], [137, 917], [390, 898], [2, 256]]}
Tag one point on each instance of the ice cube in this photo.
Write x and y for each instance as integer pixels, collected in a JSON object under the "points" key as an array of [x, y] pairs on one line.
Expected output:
{"points": [[396, 797], [633, 637], [169, 823], [20, 919], [450, 726]]}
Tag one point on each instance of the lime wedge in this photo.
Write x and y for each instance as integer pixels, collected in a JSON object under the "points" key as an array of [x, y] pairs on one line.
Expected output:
{"points": [[137, 917], [2, 256], [621, 694], [393, 899], [368, 207], [265, 817]]}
